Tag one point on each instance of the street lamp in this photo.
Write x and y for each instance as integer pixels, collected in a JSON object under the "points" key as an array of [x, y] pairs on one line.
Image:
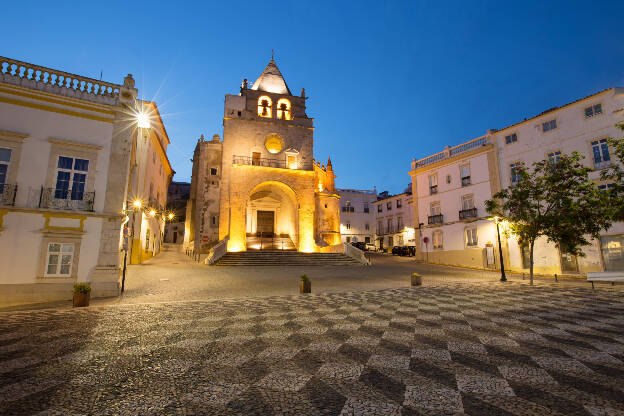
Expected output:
{"points": [[500, 251]]}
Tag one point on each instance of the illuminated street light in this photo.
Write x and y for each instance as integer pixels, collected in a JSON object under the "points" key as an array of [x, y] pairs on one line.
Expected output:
{"points": [[170, 216], [137, 204], [152, 213]]}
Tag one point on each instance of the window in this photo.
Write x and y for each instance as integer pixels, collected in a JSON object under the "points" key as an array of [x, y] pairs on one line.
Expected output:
{"points": [[213, 171], [613, 252], [348, 207], [366, 209], [512, 138], [255, 158], [593, 110], [554, 157], [435, 208], [59, 258], [367, 240], [465, 175], [264, 106], [390, 230], [348, 239], [471, 237], [379, 208], [380, 227], [549, 125], [71, 178], [390, 241], [283, 109], [514, 172], [437, 239], [399, 223], [433, 184], [367, 226], [348, 225], [399, 203], [213, 221], [400, 242], [467, 202], [147, 240], [600, 153], [389, 205], [5, 158]]}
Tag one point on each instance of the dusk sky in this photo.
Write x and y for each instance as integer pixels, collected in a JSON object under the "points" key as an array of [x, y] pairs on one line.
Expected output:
{"points": [[387, 81]]}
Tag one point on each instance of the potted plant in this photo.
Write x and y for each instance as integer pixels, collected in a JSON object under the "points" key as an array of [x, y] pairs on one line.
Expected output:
{"points": [[416, 279], [305, 286], [82, 294]]}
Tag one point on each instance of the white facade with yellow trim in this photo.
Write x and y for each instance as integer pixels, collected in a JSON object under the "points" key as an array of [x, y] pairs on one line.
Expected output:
{"points": [[65, 146]]}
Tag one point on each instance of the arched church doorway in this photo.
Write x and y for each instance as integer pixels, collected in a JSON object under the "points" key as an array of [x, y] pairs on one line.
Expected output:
{"points": [[272, 217]]}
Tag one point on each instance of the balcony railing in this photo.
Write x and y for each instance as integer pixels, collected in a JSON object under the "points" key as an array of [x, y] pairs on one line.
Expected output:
{"points": [[465, 181], [70, 200], [271, 163], [433, 189], [602, 165], [348, 209], [450, 152], [468, 213], [7, 194], [436, 219]]}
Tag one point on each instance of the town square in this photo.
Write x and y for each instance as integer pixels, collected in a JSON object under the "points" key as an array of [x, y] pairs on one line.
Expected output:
{"points": [[312, 208]]}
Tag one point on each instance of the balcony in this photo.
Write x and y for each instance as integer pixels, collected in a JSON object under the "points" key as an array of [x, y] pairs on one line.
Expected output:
{"points": [[436, 219], [468, 213], [70, 200], [465, 181], [433, 189], [7, 194], [260, 161], [348, 209], [602, 165]]}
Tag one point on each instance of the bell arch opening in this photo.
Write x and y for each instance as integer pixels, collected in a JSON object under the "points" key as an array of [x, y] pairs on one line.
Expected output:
{"points": [[272, 221]]}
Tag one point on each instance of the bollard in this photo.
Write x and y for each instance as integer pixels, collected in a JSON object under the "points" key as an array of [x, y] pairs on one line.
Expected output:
{"points": [[305, 286], [416, 279], [556, 277]]}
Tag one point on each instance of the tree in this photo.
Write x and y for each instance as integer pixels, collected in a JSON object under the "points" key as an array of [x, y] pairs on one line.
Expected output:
{"points": [[555, 199], [614, 174]]}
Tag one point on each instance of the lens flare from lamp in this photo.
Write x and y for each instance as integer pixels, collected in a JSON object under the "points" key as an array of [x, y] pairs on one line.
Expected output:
{"points": [[137, 204], [170, 216], [152, 213], [143, 120]]}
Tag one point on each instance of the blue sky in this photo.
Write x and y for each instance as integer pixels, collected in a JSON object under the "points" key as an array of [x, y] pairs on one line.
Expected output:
{"points": [[388, 81]]}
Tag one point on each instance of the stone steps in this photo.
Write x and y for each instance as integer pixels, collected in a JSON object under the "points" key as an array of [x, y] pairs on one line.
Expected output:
{"points": [[285, 258]]}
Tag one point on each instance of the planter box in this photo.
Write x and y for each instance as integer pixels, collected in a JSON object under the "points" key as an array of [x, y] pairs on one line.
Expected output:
{"points": [[81, 299], [305, 287], [416, 279]]}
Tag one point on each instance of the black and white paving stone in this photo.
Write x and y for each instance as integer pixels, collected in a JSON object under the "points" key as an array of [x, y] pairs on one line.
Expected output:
{"points": [[478, 349]]}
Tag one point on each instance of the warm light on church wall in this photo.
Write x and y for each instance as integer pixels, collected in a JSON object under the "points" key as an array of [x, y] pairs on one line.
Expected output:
{"points": [[273, 143], [283, 109], [264, 106]]}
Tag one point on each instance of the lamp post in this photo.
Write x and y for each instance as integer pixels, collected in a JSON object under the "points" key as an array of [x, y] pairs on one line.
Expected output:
{"points": [[500, 251]]}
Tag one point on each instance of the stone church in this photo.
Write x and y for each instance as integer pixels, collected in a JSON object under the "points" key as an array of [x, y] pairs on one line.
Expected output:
{"points": [[260, 188]]}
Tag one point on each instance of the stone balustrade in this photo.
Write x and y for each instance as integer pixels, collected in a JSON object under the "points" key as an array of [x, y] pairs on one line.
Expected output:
{"points": [[57, 82], [451, 151]]}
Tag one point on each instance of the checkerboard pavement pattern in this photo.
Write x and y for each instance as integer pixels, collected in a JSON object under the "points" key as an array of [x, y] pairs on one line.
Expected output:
{"points": [[454, 349]]}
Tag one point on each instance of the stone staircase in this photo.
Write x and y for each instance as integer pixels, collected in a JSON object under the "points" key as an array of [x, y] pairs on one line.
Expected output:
{"points": [[285, 258]]}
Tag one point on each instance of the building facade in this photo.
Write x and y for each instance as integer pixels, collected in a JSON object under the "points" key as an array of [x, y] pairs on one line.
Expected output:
{"points": [[394, 220], [150, 176], [65, 143], [178, 195], [454, 228], [450, 189], [260, 187], [357, 219]]}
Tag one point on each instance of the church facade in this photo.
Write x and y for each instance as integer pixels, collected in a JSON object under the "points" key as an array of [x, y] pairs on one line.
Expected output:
{"points": [[260, 187]]}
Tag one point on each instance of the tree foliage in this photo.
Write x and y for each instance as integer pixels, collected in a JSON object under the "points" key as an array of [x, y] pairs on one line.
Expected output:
{"points": [[555, 199], [614, 174]]}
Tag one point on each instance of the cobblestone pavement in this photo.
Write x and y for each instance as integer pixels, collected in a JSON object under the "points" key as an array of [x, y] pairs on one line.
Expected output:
{"points": [[478, 349]]}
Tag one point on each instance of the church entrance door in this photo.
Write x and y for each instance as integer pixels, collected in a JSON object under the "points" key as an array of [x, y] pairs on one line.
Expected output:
{"points": [[265, 221]]}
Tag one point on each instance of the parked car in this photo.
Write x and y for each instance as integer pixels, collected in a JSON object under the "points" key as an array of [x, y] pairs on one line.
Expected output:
{"points": [[359, 244], [403, 251]]}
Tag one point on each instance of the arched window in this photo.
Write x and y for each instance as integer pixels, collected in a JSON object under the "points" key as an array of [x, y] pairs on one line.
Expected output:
{"points": [[264, 106], [283, 109]]}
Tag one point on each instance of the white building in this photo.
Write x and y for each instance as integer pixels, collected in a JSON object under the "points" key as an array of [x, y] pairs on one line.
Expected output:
{"points": [[454, 229], [357, 220], [583, 126], [66, 145], [394, 220], [450, 189]]}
